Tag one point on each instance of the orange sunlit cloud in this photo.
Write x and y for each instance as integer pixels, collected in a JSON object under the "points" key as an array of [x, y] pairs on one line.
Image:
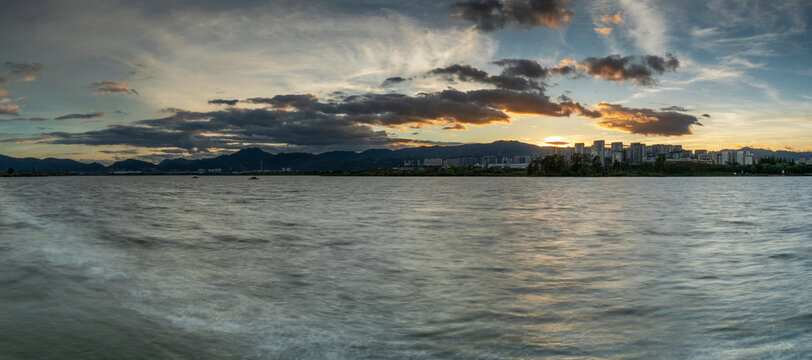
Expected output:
{"points": [[612, 19], [604, 30], [556, 141]]}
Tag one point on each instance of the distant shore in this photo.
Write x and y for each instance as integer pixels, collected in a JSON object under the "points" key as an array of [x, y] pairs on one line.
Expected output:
{"points": [[416, 173], [549, 166]]}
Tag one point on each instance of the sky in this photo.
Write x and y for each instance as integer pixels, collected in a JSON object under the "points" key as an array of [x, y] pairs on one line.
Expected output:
{"points": [[108, 80]]}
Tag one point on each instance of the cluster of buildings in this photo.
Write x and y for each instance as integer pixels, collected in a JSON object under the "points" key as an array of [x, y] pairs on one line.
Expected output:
{"points": [[616, 152]]}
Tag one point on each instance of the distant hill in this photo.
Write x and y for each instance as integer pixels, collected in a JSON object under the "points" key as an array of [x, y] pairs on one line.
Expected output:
{"points": [[132, 165], [49, 165], [254, 158]]}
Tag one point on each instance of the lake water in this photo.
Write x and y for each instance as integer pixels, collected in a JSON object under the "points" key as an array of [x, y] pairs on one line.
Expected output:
{"points": [[400, 268]]}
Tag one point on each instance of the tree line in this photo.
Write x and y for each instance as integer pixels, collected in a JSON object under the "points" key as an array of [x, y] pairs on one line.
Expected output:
{"points": [[586, 165]]}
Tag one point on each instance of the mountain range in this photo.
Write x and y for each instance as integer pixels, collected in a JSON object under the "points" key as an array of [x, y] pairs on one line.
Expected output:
{"points": [[254, 158]]}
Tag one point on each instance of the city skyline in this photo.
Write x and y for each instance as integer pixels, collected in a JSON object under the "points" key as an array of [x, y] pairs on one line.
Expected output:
{"points": [[103, 81]]}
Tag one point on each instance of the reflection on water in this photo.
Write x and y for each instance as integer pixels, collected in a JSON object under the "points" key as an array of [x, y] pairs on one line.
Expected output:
{"points": [[335, 267]]}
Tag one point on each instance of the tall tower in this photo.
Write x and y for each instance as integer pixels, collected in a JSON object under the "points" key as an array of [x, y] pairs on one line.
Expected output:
{"points": [[599, 150]]}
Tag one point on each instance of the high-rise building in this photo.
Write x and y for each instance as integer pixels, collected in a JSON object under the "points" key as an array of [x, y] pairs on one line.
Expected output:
{"points": [[616, 152], [637, 153], [740, 157], [722, 157], [599, 150], [579, 148]]}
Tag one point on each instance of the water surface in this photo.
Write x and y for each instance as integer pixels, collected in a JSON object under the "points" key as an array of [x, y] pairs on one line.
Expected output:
{"points": [[395, 268]]}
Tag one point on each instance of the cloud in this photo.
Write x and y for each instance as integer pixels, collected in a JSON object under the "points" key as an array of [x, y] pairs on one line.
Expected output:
{"points": [[4, 81], [306, 120], [91, 115], [490, 15], [524, 74], [603, 30], [316, 48], [223, 102], [503, 81], [125, 152], [648, 27], [301, 102], [455, 127], [635, 68], [394, 80], [235, 128], [522, 67], [25, 69], [10, 109], [706, 115], [612, 19], [674, 108], [475, 107], [645, 121], [111, 87]]}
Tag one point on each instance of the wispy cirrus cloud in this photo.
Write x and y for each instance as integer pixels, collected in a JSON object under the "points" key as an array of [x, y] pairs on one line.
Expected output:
{"points": [[646, 25]]}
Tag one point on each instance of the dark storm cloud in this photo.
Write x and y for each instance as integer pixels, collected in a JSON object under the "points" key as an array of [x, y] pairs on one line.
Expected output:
{"points": [[674, 108], [524, 74], [523, 67], [425, 108], [81, 116], [490, 15], [306, 120], [393, 80], [564, 70], [706, 115], [471, 74], [4, 81], [645, 121], [111, 87], [464, 72], [132, 135], [223, 102], [635, 68], [303, 102], [33, 69], [455, 127], [233, 128]]}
